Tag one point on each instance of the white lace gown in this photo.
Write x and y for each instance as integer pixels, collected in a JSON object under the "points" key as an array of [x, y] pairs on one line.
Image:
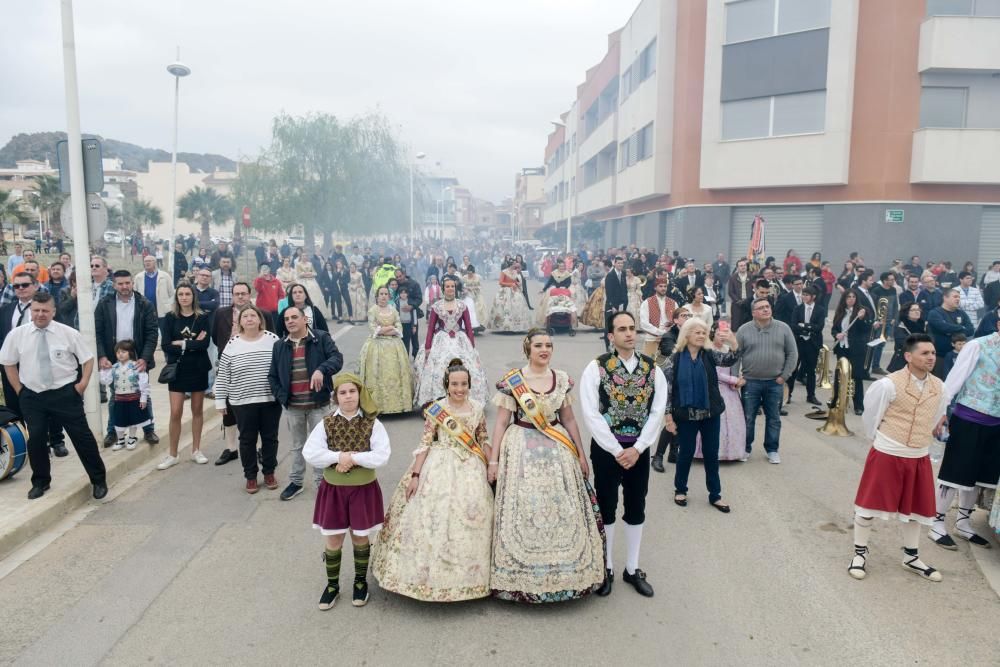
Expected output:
{"points": [[449, 331], [305, 275]]}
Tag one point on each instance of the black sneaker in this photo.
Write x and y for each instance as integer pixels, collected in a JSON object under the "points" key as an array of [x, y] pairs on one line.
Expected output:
{"points": [[291, 491], [638, 581], [360, 595], [226, 456], [110, 439], [329, 597], [151, 437], [657, 463]]}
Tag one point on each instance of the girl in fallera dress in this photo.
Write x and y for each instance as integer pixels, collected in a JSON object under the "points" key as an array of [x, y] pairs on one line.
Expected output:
{"points": [[286, 274], [548, 538], [357, 292], [435, 543], [474, 291], [131, 394], [385, 365], [305, 275], [634, 285], [349, 445], [510, 311]]}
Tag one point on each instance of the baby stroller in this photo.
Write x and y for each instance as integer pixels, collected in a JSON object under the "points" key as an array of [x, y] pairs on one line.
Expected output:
{"points": [[560, 310]]}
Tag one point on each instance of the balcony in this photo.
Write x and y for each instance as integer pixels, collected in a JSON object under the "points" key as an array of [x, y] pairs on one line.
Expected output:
{"points": [[957, 156], [959, 43], [596, 197]]}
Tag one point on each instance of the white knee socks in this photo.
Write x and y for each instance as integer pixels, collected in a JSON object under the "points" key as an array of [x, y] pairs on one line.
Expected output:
{"points": [[633, 539], [945, 497], [966, 506], [862, 530], [609, 547]]}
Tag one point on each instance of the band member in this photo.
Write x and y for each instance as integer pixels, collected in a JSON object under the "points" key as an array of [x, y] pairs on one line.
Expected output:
{"points": [[903, 411], [807, 325], [655, 317], [623, 397], [972, 457]]}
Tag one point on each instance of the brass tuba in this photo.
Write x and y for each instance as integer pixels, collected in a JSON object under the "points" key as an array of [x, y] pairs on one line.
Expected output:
{"points": [[835, 424], [823, 373]]}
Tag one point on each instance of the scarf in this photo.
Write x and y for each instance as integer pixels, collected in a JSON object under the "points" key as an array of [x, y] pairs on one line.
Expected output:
{"points": [[367, 403], [692, 381]]}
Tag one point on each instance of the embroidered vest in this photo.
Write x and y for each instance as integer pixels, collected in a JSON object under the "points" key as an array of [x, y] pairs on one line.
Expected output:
{"points": [[626, 397], [656, 316], [981, 391], [348, 435], [909, 419]]}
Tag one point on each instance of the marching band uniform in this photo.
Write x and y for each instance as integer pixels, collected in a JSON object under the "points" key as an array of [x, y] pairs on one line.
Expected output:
{"points": [[972, 457], [623, 401], [901, 413]]}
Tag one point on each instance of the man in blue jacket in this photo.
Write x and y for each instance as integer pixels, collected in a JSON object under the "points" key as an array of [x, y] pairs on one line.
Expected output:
{"points": [[302, 366]]}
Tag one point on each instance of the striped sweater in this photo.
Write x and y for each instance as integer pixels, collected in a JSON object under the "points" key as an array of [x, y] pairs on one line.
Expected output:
{"points": [[241, 377]]}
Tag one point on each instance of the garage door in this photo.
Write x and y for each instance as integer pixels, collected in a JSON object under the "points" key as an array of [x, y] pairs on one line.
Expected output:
{"points": [[785, 227], [668, 231], [989, 239]]}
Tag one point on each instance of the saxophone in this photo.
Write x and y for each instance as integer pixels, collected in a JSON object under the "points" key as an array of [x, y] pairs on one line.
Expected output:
{"points": [[835, 424]]}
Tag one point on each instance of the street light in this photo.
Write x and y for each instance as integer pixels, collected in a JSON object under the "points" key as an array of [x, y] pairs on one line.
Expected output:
{"points": [[569, 206], [418, 156], [177, 69]]}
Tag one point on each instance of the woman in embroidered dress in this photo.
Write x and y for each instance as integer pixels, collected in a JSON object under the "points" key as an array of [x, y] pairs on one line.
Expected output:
{"points": [[357, 292], [593, 313], [634, 285], [510, 308], [305, 274], [577, 289], [557, 295], [696, 304], [732, 424], [548, 539], [286, 274], [474, 290], [385, 366], [449, 335], [435, 542]]}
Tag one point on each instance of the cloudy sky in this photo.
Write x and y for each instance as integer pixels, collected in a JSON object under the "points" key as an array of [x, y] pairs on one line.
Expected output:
{"points": [[471, 83]]}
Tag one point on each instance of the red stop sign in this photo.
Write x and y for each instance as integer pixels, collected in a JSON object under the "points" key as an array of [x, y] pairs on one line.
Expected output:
{"points": [[246, 216]]}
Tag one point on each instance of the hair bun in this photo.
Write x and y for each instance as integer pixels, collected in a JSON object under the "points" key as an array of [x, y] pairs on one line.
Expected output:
{"points": [[456, 362]]}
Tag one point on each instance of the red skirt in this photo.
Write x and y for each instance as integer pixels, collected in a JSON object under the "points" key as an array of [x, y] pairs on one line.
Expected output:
{"points": [[893, 486], [342, 508]]}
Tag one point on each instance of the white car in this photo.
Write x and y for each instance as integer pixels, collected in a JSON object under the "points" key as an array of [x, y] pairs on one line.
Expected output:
{"points": [[112, 236], [297, 241]]}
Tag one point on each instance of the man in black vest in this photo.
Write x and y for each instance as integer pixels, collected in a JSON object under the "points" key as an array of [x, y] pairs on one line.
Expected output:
{"points": [[623, 429]]}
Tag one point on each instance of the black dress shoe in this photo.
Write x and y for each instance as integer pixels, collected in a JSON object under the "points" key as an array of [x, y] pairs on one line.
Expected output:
{"points": [[609, 583], [37, 492], [859, 411], [110, 439], [100, 490], [658, 464], [783, 412], [639, 583], [151, 437], [60, 450], [814, 401], [226, 456]]}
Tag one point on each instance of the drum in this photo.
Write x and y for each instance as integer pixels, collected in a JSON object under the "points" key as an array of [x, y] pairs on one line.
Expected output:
{"points": [[13, 449]]}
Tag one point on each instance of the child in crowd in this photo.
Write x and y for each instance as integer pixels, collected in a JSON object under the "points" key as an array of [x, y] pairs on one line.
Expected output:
{"points": [[131, 394], [957, 343]]}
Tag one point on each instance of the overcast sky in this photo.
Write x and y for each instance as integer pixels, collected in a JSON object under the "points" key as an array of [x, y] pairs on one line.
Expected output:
{"points": [[471, 83]]}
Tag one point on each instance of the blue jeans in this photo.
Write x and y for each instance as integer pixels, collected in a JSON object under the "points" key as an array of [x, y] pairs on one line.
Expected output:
{"points": [[687, 434], [769, 394]]}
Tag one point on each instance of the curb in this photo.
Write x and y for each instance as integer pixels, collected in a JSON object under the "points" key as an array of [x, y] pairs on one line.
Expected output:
{"points": [[59, 502]]}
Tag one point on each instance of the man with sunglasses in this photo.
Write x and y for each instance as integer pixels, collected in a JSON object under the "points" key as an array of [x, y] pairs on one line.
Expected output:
{"points": [[29, 267]]}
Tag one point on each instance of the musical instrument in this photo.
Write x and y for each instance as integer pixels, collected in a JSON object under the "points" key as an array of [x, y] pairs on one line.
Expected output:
{"points": [[835, 424], [13, 449], [823, 371], [878, 334], [642, 280]]}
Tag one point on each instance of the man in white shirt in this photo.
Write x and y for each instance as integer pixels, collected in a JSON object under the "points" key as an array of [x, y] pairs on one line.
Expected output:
{"points": [[656, 317], [622, 430], [16, 259], [42, 361]]}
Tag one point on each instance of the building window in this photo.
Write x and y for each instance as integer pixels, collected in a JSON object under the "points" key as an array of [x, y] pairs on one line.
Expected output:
{"points": [[647, 61], [942, 107], [645, 141], [756, 19], [627, 83], [590, 172], [963, 7], [781, 115]]}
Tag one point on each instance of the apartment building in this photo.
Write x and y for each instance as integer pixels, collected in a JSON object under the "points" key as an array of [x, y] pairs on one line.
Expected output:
{"points": [[867, 125], [529, 202]]}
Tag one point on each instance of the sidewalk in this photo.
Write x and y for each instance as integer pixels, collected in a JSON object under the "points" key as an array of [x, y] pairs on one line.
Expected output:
{"points": [[23, 519]]}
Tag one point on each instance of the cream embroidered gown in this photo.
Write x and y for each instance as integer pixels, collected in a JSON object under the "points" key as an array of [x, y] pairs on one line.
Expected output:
{"points": [[548, 538], [356, 291], [385, 365], [436, 546]]}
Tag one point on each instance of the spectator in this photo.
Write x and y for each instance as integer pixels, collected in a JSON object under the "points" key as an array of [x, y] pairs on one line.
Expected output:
{"points": [[943, 322], [269, 291], [208, 296], [156, 286], [223, 251], [970, 298], [180, 263], [15, 259], [223, 279], [57, 282]]}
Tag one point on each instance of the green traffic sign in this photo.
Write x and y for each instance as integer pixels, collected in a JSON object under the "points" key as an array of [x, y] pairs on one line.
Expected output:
{"points": [[894, 215]]}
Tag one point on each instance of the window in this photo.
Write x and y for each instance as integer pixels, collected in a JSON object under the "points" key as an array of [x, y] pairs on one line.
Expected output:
{"points": [[647, 61], [942, 107], [645, 141], [963, 7], [781, 115], [627, 83], [757, 19], [590, 172]]}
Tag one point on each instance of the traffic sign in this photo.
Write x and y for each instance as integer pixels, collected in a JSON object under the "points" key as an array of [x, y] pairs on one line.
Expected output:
{"points": [[93, 166], [246, 217], [97, 217]]}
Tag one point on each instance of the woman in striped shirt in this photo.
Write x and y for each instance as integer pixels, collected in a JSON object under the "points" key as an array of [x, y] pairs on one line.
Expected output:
{"points": [[242, 379]]}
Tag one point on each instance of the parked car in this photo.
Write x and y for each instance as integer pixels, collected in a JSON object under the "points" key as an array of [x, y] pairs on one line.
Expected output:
{"points": [[30, 234], [112, 236], [297, 241]]}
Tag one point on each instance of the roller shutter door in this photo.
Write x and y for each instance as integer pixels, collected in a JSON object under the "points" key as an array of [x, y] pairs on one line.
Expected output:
{"points": [[989, 239], [668, 231], [798, 227]]}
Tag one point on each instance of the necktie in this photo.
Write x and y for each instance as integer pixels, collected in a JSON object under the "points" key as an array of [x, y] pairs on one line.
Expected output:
{"points": [[44, 363], [20, 314]]}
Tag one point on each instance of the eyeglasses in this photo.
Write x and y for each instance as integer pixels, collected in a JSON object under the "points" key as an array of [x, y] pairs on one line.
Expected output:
{"points": [[21, 285], [96, 266]]}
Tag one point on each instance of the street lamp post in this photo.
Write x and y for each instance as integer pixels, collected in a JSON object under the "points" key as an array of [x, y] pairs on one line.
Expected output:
{"points": [[178, 70], [418, 156], [569, 190]]}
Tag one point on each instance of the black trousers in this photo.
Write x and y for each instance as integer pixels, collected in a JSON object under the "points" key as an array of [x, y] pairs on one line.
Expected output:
{"points": [[13, 402], [808, 356], [345, 294], [258, 420], [411, 334], [857, 359], [63, 406], [609, 475]]}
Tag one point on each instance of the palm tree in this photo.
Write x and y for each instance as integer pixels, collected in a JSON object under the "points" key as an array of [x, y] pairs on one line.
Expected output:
{"points": [[141, 213], [206, 207], [9, 208], [49, 199]]}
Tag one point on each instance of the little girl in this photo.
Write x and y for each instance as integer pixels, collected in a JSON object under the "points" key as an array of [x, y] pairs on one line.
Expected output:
{"points": [[131, 393]]}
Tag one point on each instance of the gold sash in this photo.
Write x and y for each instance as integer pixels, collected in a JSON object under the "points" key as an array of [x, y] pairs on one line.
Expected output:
{"points": [[529, 404], [454, 428]]}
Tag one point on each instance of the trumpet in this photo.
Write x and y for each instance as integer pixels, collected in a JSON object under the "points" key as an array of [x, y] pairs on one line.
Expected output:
{"points": [[835, 424], [823, 372]]}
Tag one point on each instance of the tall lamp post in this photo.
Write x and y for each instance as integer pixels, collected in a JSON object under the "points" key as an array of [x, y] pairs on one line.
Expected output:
{"points": [[418, 156], [569, 191], [178, 70]]}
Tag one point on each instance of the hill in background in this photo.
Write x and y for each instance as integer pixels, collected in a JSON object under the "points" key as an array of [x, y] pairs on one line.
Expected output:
{"points": [[42, 145]]}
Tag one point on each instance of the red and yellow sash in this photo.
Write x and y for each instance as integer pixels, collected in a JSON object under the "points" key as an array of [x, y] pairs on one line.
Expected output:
{"points": [[454, 428], [529, 404]]}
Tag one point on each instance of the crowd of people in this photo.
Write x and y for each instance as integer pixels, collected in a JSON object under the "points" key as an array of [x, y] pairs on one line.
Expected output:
{"points": [[691, 357]]}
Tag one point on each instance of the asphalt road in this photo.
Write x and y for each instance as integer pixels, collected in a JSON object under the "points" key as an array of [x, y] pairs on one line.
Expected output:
{"points": [[186, 568]]}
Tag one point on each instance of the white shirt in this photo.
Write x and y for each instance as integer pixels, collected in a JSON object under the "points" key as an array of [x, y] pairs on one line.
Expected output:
{"points": [[649, 332], [878, 396], [125, 312], [67, 350], [21, 314], [600, 431], [317, 453]]}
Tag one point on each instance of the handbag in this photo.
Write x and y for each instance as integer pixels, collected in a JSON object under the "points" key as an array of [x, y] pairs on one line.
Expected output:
{"points": [[168, 373]]}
